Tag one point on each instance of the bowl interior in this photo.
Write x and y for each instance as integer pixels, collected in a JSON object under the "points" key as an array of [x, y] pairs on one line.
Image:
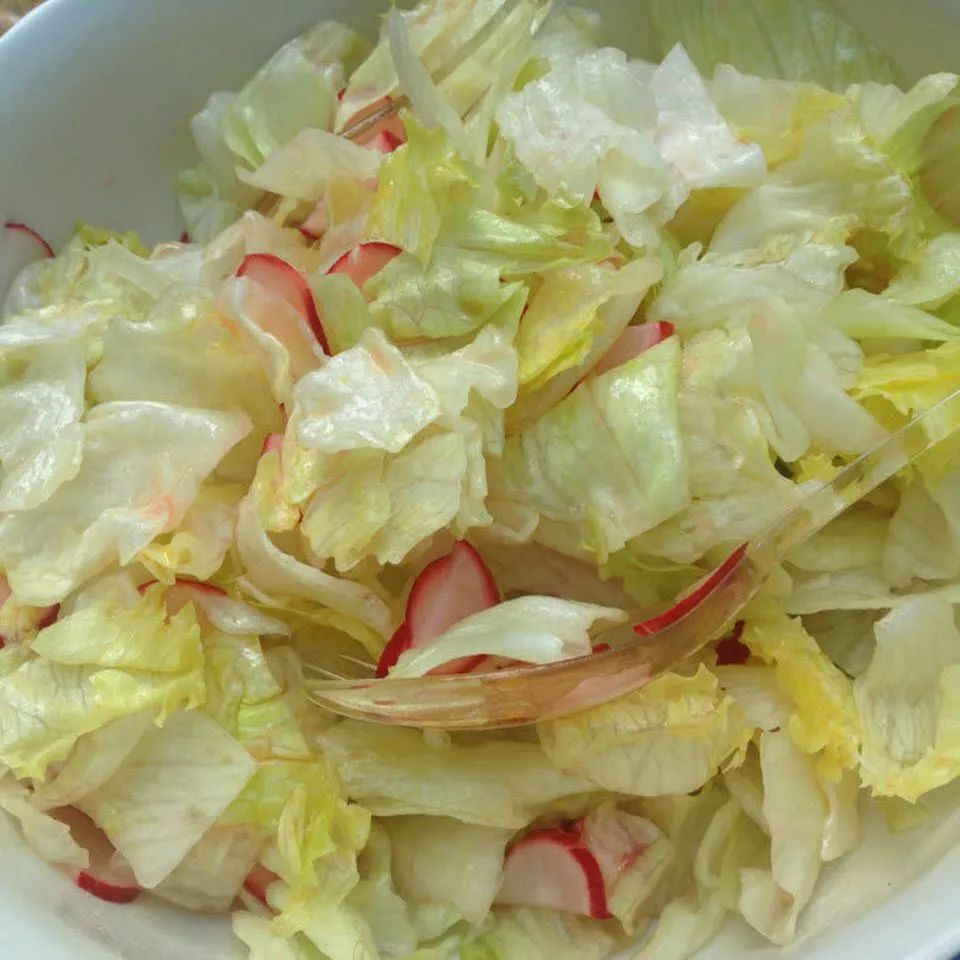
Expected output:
{"points": [[95, 115]]}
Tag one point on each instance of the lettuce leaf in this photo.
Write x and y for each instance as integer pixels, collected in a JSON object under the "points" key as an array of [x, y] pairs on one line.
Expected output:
{"points": [[395, 772], [107, 663], [824, 719], [172, 786], [296, 89], [642, 140], [795, 815], [607, 463], [280, 575], [671, 736], [531, 629], [541, 935], [424, 871], [907, 700], [142, 466], [777, 38], [48, 837]]}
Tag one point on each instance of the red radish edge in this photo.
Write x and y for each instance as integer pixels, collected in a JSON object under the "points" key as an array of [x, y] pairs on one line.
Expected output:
{"points": [[48, 616], [101, 878], [17, 225], [569, 836], [257, 881], [184, 237], [384, 142], [632, 342], [316, 222], [286, 282], [682, 607], [426, 597], [730, 650], [188, 584], [273, 442], [365, 261], [181, 592], [106, 891], [399, 643]]}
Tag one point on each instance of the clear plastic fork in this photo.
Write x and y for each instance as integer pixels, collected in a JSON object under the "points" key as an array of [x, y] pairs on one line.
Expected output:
{"points": [[501, 18], [524, 695]]}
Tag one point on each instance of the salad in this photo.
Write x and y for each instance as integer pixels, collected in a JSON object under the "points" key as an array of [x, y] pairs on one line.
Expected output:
{"points": [[491, 383]]}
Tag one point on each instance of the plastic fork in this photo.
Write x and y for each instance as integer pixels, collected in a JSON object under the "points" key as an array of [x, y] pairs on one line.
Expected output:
{"points": [[541, 12], [524, 695]]}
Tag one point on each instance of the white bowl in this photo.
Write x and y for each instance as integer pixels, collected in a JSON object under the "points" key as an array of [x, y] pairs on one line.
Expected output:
{"points": [[96, 99]]}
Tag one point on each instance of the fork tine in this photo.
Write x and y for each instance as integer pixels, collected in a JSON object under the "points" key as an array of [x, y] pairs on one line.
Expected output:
{"points": [[366, 664], [453, 62], [322, 671]]}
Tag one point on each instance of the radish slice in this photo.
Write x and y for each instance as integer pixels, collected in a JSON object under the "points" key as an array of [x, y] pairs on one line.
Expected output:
{"points": [[384, 142], [446, 591], [20, 246], [272, 443], [364, 261], [391, 124], [316, 223], [182, 592], [287, 283], [258, 882], [729, 649], [553, 868], [215, 608], [108, 877], [399, 643], [632, 342], [47, 615], [693, 599]]}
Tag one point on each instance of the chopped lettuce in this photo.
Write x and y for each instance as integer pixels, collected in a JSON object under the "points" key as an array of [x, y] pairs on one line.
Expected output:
{"points": [[617, 318], [776, 38], [670, 737]]}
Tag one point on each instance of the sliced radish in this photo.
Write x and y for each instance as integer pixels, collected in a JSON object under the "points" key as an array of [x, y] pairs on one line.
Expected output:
{"points": [[446, 592], [287, 283], [632, 342], [47, 615], [384, 142], [693, 599], [316, 222], [108, 876], [364, 261], [730, 650], [258, 882], [182, 592], [399, 643], [20, 246], [273, 443], [391, 123], [553, 868]]}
